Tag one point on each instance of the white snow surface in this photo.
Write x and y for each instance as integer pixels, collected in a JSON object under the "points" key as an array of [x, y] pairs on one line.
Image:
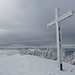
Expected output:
{"points": [[32, 65]]}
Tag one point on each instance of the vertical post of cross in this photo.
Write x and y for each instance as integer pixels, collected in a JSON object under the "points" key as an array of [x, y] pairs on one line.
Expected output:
{"points": [[58, 35]]}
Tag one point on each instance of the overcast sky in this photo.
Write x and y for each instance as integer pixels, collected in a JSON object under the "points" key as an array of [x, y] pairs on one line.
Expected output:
{"points": [[24, 22]]}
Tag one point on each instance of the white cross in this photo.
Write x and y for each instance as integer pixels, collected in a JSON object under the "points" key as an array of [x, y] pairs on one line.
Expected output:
{"points": [[58, 19]]}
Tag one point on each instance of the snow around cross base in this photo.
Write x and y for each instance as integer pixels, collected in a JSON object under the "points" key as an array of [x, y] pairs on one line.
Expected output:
{"points": [[32, 65]]}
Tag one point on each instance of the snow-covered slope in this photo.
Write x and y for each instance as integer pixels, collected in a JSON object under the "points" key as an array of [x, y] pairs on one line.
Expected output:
{"points": [[32, 65], [9, 52]]}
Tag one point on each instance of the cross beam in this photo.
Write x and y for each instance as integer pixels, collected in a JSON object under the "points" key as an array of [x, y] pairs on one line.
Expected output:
{"points": [[63, 17], [58, 19]]}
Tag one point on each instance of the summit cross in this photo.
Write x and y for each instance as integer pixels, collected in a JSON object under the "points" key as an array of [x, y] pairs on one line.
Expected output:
{"points": [[57, 20]]}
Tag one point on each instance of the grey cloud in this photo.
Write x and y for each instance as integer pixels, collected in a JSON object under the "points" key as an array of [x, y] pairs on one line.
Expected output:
{"points": [[25, 22]]}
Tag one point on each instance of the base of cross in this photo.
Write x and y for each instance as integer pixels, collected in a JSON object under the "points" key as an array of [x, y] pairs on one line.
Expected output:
{"points": [[61, 68]]}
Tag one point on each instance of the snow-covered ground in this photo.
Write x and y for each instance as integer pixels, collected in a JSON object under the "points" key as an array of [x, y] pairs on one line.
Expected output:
{"points": [[8, 52], [18, 64]]}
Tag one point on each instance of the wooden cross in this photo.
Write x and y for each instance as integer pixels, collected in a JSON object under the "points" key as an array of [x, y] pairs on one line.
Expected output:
{"points": [[57, 20]]}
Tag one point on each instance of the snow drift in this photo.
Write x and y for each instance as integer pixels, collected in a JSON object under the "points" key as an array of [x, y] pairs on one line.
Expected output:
{"points": [[32, 65]]}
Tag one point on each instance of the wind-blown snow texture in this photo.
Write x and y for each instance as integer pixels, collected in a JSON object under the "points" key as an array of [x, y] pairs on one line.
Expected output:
{"points": [[32, 65]]}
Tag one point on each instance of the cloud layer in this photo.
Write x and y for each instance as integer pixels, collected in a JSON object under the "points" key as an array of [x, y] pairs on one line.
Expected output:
{"points": [[24, 22]]}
